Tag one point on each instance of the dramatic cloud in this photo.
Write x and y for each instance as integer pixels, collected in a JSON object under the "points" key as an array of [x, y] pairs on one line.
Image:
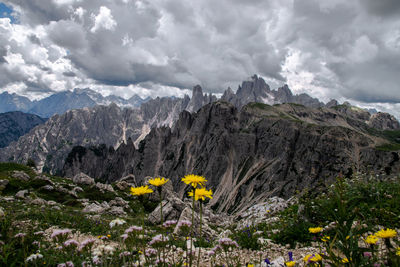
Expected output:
{"points": [[348, 50]]}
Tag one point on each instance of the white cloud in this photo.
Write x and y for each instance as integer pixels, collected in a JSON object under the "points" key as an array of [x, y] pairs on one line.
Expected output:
{"points": [[103, 20]]}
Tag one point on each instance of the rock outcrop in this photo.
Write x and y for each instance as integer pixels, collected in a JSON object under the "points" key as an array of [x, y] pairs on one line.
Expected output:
{"points": [[250, 154]]}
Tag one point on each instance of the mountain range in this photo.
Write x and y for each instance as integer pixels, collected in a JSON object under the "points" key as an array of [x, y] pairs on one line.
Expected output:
{"points": [[250, 154], [245, 141], [59, 103]]}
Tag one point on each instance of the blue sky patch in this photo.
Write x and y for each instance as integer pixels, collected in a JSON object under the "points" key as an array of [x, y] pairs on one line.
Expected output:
{"points": [[6, 12]]}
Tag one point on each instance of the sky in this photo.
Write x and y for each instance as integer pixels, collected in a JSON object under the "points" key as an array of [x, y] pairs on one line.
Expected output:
{"points": [[341, 49]]}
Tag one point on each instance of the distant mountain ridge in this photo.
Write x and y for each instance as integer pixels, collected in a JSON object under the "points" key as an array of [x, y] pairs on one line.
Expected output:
{"points": [[49, 144], [15, 124], [59, 103]]}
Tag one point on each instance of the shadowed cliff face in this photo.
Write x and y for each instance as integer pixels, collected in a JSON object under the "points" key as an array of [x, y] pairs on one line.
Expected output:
{"points": [[247, 155]]}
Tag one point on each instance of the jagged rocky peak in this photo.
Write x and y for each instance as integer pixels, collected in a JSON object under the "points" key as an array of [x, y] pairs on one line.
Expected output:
{"points": [[198, 99], [332, 103], [284, 94], [254, 90], [384, 121]]}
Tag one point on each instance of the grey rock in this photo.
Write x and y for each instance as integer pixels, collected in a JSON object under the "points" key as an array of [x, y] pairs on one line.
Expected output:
{"points": [[21, 194], [3, 184], [48, 187], [129, 179], [52, 203], [119, 202], [20, 175], [117, 211], [77, 190], [84, 179], [104, 187], [38, 201], [172, 209], [122, 185], [94, 208]]}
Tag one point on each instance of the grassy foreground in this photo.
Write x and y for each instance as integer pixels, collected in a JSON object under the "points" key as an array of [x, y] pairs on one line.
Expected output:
{"points": [[353, 222]]}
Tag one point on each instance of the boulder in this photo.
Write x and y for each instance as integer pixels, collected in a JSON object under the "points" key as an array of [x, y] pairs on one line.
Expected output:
{"points": [[84, 179], [21, 194], [172, 209], [122, 185], [104, 187], [3, 184], [47, 187], [93, 208], [20, 175], [116, 211], [130, 179], [38, 201]]}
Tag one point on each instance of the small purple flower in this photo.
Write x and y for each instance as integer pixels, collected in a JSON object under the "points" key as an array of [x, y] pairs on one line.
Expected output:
{"points": [[70, 264], [367, 254], [124, 254], [60, 232], [61, 265], [71, 242], [133, 228], [290, 256], [85, 243], [267, 261], [19, 235], [169, 223], [150, 252], [124, 237], [39, 233], [184, 223]]}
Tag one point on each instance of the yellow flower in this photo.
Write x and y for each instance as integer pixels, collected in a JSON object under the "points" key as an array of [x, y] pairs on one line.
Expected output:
{"points": [[201, 193], [398, 251], [250, 265], [325, 238], [345, 260], [312, 258], [347, 237], [315, 230], [388, 233], [290, 263], [194, 180], [158, 181], [371, 239], [108, 236], [141, 190]]}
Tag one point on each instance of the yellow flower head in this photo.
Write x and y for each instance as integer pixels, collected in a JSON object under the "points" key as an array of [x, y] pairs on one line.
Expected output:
{"points": [[388, 233], [158, 181], [313, 258], [108, 236], [315, 230], [250, 265], [345, 260], [325, 238], [290, 263], [398, 251], [141, 190], [201, 193], [371, 239], [194, 180]]}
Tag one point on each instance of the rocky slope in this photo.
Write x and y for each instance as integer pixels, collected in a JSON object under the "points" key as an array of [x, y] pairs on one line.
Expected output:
{"points": [[50, 143], [15, 124], [253, 153]]}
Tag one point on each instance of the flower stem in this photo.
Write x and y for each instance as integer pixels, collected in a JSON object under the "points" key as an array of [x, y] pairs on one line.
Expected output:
{"points": [[200, 236], [191, 234]]}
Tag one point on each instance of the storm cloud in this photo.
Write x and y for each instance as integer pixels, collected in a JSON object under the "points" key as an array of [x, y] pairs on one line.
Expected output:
{"points": [[348, 50]]}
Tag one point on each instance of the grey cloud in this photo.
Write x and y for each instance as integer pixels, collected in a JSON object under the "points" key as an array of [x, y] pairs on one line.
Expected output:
{"points": [[69, 74], [3, 53], [34, 39], [382, 7]]}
